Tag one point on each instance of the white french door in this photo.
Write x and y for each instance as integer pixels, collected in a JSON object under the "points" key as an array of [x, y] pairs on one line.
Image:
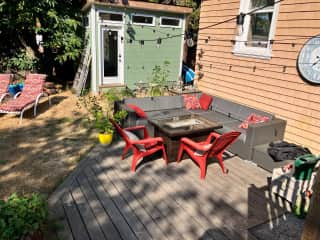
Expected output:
{"points": [[112, 55]]}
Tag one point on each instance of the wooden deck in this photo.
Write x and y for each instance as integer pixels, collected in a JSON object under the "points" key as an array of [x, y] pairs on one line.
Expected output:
{"points": [[102, 199]]}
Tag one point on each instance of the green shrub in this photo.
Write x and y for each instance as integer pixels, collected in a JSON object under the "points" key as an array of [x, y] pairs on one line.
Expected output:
{"points": [[159, 79], [21, 61], [99, 114], [22, 216]]}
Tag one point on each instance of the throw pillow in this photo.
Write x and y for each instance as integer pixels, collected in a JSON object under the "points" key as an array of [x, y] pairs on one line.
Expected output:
{"points": [[205, 101], [253, 119], [138, 110], [191, 102]]}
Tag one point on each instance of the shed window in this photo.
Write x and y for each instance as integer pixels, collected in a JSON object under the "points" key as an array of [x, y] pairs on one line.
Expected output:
{"points": [[258, 29], [170, 22], [142, 19], [114, 17]]}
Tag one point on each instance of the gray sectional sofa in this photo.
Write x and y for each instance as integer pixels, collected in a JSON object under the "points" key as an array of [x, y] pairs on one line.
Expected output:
{"points": [[225, 112]]}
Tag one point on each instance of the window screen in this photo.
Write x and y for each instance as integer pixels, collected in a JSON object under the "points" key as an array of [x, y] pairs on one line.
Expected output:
{"points": [[170, 22], [259, 29], [111, 17], [147, 20]]}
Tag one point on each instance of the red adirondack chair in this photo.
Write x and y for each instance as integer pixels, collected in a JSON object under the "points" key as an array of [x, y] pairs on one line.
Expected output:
{"points": [[140, 147], [5, 80], [29, 97], [214, 146]]}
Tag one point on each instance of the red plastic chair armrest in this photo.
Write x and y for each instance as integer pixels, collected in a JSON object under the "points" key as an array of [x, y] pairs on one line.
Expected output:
{"points": [[135, 128], [147, 140], [139, 127], [195, 145], [212, 135]]}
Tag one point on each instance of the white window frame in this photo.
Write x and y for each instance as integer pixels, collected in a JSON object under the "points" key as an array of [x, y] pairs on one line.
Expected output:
{"points": [[170, 26], [143, 15], [240, 48], [110, 21]]}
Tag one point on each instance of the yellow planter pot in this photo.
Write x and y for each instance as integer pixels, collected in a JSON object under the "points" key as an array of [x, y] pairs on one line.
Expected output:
{"points": [[105, 138]]}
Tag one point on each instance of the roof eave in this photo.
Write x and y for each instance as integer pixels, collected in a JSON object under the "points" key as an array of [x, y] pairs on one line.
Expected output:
{"points": [[142, 6]]}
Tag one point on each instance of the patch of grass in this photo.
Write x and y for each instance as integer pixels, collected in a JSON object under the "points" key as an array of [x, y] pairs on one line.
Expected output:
{"points": [[2, 161], [66, 120]]}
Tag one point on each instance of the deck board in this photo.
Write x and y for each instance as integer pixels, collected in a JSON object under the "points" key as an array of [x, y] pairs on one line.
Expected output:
{"points": [[135, 204], [103, 199], [103, 218]]}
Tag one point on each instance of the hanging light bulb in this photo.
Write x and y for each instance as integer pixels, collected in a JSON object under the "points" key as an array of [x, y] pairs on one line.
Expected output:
{"points": [[240, 22], [189, 39], [159, 40]]}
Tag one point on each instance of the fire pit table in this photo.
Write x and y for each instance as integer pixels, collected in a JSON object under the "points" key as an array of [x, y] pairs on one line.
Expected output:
{"points": [[173, 129]]}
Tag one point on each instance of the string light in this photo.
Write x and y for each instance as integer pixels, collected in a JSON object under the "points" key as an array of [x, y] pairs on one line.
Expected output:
{"points": [[168, 36], [283, 68]]}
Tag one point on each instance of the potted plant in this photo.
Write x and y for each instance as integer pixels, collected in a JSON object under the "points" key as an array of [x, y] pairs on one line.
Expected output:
{"points": [[99, 115], [23, 218], [104, 127]]}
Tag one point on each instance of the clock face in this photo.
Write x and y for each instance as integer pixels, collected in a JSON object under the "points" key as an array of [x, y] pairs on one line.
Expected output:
{"points": [[309, 60]]}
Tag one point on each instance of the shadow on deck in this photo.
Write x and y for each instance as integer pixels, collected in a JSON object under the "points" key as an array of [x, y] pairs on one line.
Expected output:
{"points": [[102, 199]]}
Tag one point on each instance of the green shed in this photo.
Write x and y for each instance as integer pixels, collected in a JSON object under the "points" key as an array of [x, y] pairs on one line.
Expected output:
{"points": [[128, 40]]}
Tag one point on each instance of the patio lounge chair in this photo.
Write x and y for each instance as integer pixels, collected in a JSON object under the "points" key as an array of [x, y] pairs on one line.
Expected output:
{"points": [[28, 97], [5, 80], [141, 147], [214, 146]]}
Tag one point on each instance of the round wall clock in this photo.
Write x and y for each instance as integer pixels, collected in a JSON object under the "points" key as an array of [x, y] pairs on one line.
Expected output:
{"points": [[309, 60]]}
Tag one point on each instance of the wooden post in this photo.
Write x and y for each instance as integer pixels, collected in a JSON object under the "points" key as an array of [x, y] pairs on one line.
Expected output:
{"points": [[311, 230]]}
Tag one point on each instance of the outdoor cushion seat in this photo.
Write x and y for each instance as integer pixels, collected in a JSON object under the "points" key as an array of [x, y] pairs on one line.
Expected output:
{"points": [[174, 112], [218, 117], [233, 126], [154, 115], [197, 111], [5, 80], [17, 105], [167, 113], [30, 96], [246, 111]]}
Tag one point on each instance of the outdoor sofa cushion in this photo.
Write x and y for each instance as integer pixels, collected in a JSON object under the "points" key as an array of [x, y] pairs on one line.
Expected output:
{"points": [[205, 101], [218, 117], [191, 101], [245, 111], [253, 119], [167, 113], [226, 107], [157, 103], [233, 126]]}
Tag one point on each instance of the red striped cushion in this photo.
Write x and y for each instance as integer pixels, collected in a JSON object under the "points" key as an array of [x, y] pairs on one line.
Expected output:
{"points": [[16, 105]]}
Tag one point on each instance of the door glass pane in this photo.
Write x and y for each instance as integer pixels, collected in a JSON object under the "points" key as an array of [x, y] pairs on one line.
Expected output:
{"points": [[110, 39], [259, 29]]}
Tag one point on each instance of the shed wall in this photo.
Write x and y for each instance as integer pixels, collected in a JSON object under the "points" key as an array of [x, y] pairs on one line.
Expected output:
{"points": [[269, 86], [139, 60]]}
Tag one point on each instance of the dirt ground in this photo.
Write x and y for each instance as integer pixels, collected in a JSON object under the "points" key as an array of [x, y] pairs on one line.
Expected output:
{"points": [[38, 154]]}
